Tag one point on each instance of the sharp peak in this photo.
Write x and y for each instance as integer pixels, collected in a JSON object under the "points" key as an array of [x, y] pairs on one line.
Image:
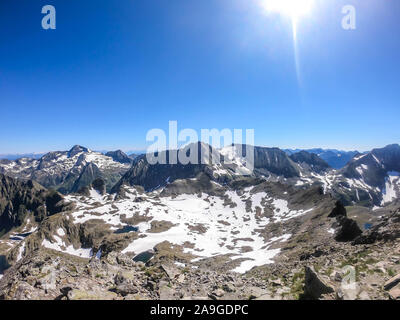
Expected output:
{"points": [[116, 151], [77, 149]]}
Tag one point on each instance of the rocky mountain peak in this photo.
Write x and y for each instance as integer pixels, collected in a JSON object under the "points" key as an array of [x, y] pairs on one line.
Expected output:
{"points": [[311, 159], [389, 156], [77, 149], [119, 156]]}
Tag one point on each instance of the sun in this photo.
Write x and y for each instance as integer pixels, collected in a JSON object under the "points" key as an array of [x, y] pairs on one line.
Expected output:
{"points": [[292, 8], [295, 10]]}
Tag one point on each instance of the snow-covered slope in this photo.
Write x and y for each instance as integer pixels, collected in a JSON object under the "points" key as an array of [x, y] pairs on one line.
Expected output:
{"points": [[391, 189], [221, 222]]}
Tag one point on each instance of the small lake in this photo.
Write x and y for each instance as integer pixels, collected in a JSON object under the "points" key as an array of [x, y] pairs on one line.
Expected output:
{"points": [[3, 264], [144, 256], [127, 229], [367, 226]]}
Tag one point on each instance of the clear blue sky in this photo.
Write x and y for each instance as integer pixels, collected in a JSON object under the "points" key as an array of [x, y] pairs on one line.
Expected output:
{"points": [[112, 70]]}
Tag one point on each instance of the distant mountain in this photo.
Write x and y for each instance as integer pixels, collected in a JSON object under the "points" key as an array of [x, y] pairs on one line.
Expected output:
{"points": [[337, 159], [179, 227], [271, 164], [315, 162], [134, 155], [19, 199], [372, 178], [369, 179], [153, 176], [68, 171], [275, 161], [15, 156], [119, 156]]}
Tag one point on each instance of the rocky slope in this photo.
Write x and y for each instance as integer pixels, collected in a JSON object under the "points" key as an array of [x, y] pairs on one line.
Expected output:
{"points": [[312, 160], [67, 171], [370, 179], [206, 231], [20, 200], [249, 240]]}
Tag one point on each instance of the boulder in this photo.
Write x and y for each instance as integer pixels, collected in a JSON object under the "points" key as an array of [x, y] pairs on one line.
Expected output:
{"points": [[124, 260], [314, 285], [392, 282], [348, 231], [338, 211], [228, 287], [171, 270], [218, 293], [125, 288], [394, 293]]}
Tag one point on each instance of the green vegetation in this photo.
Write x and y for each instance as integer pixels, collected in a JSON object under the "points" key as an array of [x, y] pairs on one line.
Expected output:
{"points": [[297, 287]]}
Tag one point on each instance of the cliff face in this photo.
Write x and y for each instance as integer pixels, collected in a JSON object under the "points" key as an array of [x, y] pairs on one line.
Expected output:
{"points": [[18, 199]]}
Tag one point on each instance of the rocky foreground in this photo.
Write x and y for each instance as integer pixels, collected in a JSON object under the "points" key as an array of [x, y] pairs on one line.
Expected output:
{"points": [[319, 274], [196, 239]]}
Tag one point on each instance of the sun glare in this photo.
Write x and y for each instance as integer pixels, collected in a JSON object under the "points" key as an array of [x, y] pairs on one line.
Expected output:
{"points": [[293, 8]]}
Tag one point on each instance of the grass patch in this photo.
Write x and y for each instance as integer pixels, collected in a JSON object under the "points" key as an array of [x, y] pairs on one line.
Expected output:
{"points": [[297, 287], [391, 272]]}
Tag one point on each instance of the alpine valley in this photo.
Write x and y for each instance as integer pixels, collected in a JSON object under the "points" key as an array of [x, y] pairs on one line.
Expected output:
{"points": [[80, 224]]}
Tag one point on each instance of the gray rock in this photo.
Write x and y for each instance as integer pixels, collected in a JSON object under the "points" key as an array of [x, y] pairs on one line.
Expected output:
{"points": [[166, 292], [315, 286], [218, 293], [125, 288], [229, 287], [124, 260], [394, 293], [254, 292], [392, 282], [171, 270]]}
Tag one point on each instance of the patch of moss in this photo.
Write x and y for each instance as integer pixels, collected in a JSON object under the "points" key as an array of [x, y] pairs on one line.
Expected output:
{"points": [[297, 287], [391, 272]]}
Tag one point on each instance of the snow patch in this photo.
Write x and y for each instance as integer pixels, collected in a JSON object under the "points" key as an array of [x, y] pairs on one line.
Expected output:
{"points": [[392, 182], [61, 232], [59, 245], [21, 251]]}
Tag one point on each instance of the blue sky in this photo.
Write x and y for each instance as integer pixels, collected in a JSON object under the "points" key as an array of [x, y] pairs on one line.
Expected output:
{"points": [[112, 70]]}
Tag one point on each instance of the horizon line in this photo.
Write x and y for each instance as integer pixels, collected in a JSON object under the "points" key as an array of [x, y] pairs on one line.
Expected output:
{"points": [[141, 151]]}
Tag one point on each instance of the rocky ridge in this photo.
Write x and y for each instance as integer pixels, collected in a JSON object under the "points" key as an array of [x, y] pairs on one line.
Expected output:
{"points": [[68, 171]]}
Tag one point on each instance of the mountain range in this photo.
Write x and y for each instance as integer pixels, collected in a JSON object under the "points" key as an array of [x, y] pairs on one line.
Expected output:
{"points": [[122, 228], [337, 159], [369, 179], [68, 171]]}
